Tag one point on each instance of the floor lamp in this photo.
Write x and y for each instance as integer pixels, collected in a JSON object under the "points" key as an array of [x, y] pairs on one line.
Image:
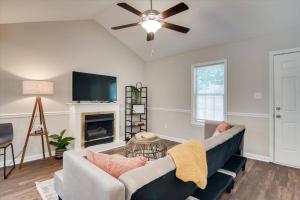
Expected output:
{"points": [[38, 89]]}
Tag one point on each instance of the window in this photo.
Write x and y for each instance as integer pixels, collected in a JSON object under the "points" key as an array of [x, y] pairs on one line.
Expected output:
{"points": [[209, 91]]}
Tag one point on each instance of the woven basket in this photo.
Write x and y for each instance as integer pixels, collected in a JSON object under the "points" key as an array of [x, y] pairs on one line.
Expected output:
{"points": [[151, 148], [59, 153]]}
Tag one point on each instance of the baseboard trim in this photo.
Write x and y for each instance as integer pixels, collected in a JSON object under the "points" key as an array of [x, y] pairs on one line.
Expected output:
{"points": [[287, 165], [26, 159], [247, 155], [257, 157], [166, 137], [175, 139]]}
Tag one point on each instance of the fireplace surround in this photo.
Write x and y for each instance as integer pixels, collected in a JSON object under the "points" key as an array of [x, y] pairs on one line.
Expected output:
{"points": [[93, 123], [97, 128]]}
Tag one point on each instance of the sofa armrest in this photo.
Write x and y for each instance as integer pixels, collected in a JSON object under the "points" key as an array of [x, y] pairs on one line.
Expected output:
{"points": [[209, 128], [84, 180]]}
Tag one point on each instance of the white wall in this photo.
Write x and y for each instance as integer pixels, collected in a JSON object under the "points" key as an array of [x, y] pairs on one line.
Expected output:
{"points": [[50, 51], [169, 81]]}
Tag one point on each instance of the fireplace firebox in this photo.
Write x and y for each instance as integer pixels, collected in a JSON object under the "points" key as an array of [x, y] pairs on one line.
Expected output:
{"points": [[97, 128]]}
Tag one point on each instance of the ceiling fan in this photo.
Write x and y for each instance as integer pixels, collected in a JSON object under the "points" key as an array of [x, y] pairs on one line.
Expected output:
{"points": [[152, 20]]}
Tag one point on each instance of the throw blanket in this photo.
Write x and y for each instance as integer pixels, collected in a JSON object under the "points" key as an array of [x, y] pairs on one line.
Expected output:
{"points": [[190, 161]]}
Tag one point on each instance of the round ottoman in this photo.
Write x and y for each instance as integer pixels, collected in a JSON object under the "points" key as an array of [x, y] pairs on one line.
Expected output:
{"points": [[146, 144]]}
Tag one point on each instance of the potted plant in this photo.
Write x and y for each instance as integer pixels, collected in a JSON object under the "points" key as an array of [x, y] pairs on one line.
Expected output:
{"points": [[61, 143], [135, 92]]}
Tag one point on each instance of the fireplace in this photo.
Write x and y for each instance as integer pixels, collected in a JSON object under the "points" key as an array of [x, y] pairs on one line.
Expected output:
{"points": [[79, 112], [97, 128]]}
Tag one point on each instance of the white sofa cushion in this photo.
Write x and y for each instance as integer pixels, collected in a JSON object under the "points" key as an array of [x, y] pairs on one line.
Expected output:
{"points": [[84, 180], [58, 183]]}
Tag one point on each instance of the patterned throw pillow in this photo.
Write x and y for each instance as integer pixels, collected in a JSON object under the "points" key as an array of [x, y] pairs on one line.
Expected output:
{"points": [[222, 127], [115, 165]]}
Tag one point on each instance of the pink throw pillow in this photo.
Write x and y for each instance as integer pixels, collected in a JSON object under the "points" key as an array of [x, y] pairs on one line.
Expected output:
{"points": [[223, 126], [115, 165]]}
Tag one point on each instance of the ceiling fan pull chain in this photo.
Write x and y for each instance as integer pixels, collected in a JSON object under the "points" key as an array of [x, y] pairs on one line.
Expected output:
{"points": [[152, 51], [150, 48]]}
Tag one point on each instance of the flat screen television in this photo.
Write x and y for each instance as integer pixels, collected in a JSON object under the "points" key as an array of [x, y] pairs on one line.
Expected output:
{"points": [[93, 87]]}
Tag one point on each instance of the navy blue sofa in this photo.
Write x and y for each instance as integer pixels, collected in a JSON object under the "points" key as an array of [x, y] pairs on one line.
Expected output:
{"points": [[223, 152]]}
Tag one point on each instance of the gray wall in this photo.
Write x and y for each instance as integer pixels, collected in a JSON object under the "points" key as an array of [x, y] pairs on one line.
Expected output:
{"points": [[169, 82], [50, 51]]}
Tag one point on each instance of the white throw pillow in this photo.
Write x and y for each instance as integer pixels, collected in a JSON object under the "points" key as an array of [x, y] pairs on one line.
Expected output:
{"points": [[216, 133]]}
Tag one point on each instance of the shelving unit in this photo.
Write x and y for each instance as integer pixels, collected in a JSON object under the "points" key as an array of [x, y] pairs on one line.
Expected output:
{"points": [[132, 119]]}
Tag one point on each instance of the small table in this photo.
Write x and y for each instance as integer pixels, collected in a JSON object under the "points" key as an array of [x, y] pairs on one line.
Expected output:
{"points": [[151, 149]]}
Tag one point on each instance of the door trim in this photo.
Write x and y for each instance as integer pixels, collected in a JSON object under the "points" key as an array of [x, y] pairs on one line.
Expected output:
{"points": [[272, 54]]}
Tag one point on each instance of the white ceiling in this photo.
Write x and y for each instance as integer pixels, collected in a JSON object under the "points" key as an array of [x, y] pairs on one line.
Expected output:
{"points": [[212, 22], [16, 11]]}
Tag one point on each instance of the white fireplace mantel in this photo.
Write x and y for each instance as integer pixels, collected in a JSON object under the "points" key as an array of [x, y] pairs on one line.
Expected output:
{"points": [[75, 121]]}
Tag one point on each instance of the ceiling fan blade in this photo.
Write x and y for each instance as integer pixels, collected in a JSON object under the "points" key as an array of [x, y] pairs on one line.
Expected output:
{"points": [[150, 36], [130, 9], [174, 10], [125, 26], [175, 27]]}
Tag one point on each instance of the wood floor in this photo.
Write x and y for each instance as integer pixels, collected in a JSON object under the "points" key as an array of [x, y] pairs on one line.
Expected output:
{"points": [[261, 181], [21, 183], [266, 181]]}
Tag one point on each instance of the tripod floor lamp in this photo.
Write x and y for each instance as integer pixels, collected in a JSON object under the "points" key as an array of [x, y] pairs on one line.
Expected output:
{"points": [[38, 89]]}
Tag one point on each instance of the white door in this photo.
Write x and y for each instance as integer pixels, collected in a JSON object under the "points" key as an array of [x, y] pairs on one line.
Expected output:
{"points": [[287, 108]]}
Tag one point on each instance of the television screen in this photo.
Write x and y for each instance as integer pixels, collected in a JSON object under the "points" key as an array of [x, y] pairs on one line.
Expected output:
{"points": [[92, 87]]}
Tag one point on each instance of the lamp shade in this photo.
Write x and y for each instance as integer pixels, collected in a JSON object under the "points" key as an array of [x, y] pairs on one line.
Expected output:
{"points": [[38, 88]]}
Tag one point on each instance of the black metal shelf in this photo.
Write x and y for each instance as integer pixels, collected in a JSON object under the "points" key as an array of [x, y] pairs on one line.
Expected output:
{"points": [[130, 118]]}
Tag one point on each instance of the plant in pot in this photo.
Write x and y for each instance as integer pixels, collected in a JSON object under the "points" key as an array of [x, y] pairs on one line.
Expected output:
{"points": [[60, 142], [135, 92]]}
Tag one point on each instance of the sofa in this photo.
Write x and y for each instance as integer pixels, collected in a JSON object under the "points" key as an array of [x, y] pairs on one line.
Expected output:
{"points": [[80, 179]]}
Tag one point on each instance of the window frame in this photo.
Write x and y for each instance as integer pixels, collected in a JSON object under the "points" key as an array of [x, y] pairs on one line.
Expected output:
{"points": [[193, 87]]}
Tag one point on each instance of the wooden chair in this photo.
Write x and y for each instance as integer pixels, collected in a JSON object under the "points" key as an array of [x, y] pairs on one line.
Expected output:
{"points": [[6, 138]]}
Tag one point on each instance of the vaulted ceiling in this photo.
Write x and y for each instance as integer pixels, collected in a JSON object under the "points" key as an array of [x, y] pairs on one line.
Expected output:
{"points": [[212, 22]]}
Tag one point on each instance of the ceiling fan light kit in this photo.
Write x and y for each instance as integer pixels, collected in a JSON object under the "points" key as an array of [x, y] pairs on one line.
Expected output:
{"points": [[151, 26], [153, 20]]}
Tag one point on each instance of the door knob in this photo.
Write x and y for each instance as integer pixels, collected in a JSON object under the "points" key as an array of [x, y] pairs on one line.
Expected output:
{"points": [[278, 116]]}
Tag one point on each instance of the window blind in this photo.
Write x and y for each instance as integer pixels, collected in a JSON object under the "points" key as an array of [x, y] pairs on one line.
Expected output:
{"points": [[209, 92]]}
